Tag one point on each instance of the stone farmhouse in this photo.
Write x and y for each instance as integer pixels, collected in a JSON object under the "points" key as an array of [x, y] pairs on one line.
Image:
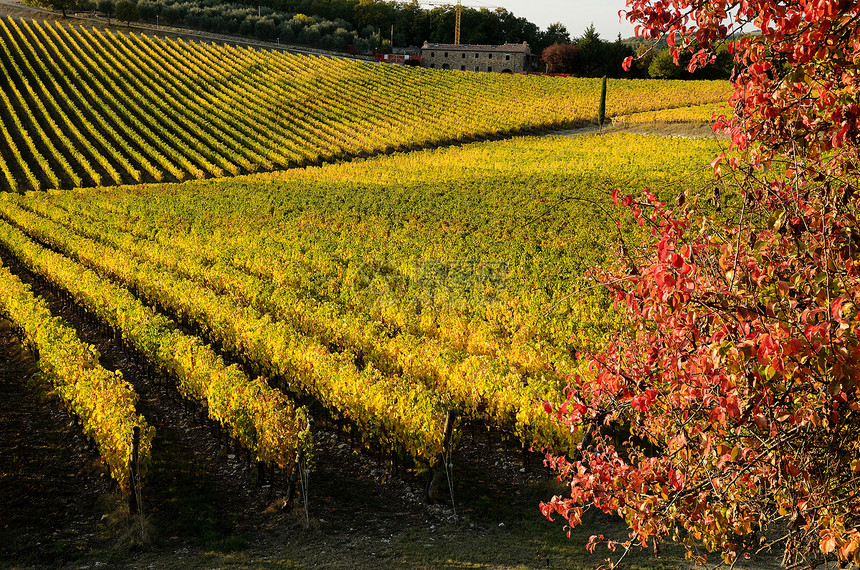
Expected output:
{"points": [[507, 58]]}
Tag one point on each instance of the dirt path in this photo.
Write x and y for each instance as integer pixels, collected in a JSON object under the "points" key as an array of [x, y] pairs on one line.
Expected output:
{"points": [[680, 129]]}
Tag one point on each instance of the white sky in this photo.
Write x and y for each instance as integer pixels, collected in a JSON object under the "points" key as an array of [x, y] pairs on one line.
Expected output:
{"points": [[576, 15]]}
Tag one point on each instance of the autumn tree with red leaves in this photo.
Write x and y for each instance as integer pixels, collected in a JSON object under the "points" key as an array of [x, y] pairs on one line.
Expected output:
{"points": [[560, 58], [726, 415]]}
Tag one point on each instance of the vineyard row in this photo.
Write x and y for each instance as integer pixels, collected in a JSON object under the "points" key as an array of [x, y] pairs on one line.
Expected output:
{"points": [[83, 107]]}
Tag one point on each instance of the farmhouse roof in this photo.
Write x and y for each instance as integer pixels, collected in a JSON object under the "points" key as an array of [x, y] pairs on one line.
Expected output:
{"points": [[505, 48]]}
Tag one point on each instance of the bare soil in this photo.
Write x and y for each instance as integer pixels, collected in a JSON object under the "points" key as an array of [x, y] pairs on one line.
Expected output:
{"points": [[53, 491]]}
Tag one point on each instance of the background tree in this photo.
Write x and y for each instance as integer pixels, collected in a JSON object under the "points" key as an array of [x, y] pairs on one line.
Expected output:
{"points": [[171, 13], [126, 11], [62, 5], [556, 33], [642, 61], [614, 55], [596, 58], [726, 414], [484, 26], [413, 25], [149, 10], [591, 62], [663, 66], [375, 13], [560, 58], [720, 67], [105, 7], [518, 30]]}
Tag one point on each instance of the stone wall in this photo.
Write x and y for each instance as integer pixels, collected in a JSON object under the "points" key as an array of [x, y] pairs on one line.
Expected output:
{"points": [[474, 58]]}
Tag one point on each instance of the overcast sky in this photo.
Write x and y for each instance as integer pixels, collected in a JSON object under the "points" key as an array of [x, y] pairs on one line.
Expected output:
{"points": [[576, 15]]}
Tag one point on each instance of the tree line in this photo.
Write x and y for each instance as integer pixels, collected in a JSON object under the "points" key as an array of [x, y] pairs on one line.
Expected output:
{"points": [[366, 25], [234, 18], [591, 56], [408, 24]]}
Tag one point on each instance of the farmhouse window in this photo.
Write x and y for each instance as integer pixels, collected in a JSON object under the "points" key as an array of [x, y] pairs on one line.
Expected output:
{"points": [[462, 68], [464, 56], [432, 54], [490, 56], [446, 54], [507, 56], [476, 56], [489, 68]]}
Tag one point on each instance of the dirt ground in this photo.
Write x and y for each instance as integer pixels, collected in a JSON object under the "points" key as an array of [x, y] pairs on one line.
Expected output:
{"points": [[679, 129]]}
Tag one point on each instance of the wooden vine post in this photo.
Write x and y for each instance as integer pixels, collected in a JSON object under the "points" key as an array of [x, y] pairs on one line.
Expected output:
{"points": [[432, 492], [134, 467], [296, 473]]}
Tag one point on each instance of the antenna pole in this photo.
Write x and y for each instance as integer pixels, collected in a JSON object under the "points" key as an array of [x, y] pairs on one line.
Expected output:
{"points": [[457, 23]]}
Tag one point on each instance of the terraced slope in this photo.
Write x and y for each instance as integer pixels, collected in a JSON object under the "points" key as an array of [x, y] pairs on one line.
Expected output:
{"points": [[83, 108], [392, 290]]}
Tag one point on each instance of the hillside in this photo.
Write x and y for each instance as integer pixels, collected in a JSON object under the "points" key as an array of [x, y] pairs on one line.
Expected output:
{"points": [[268, 313], [89, 108], [442, 279], [450, 271]]}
